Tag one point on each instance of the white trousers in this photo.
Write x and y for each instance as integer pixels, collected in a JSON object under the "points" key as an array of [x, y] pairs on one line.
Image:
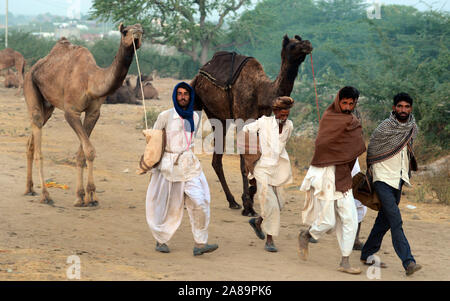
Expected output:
{"points": [[271, 201], [340, 215], [165, 203]]}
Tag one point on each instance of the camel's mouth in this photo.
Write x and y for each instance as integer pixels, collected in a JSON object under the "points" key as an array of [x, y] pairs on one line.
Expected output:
{"points": [[307, 47]]}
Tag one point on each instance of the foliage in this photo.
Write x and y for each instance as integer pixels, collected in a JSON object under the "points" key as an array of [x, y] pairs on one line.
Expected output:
{"points": [[189, 25]]}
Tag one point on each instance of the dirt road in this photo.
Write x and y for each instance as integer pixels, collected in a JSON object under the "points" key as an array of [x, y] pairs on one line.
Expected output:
{"points": [[113, 241]]}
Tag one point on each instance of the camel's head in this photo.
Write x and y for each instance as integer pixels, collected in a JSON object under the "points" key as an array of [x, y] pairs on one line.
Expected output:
{"points": [[296, 49], [130, 33]]}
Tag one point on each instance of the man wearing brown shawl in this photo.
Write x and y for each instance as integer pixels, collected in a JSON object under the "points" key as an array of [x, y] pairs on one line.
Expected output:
{"points": [[390, 158], [329, 202], [273, 169]]}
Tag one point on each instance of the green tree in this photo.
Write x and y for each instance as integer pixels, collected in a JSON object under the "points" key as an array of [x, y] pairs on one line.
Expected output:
{"points": [[192, 26]]}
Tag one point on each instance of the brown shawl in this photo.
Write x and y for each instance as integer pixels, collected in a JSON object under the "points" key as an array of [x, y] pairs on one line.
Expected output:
{"points": [[339, 142]]}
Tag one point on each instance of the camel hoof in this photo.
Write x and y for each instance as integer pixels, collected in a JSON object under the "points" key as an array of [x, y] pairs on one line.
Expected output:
{"points": [[79, 203], [32, 193], [249, 212], [47, 201], [235, 206], [92, 204]]}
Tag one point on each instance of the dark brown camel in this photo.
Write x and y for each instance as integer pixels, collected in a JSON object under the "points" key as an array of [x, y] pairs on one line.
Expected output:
{"points": [[125, 94], [11, 58], [251, 97], [69, 79]]}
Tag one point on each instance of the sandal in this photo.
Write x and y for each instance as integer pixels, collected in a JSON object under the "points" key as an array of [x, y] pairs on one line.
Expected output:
{"points": [[353, 271]]}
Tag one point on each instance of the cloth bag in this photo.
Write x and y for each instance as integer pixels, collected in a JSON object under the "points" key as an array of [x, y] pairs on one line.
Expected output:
{"points": [[363, 191], [249, 149], [154, 150]]}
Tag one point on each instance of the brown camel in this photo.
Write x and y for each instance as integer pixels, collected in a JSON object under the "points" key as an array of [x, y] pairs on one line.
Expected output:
{"points": [[69, 79], [125, 94], [11, 58], [150, 91], [11, 80], [250, 97]]}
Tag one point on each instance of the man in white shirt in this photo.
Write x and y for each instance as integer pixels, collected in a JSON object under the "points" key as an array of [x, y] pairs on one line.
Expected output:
{"points": [[178, 179], [391, 159], [273, 169]]}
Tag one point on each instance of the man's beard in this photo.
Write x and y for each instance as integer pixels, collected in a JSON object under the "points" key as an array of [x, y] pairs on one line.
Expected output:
{"points": [[401, 117], [347, 112], [279, 121]]}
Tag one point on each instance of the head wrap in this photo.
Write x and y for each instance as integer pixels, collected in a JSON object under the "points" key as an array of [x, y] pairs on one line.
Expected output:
{"points": [[188, 114], [282, 103]]}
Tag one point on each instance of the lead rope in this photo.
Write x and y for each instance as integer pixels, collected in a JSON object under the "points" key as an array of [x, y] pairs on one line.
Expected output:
{"points": [[140, 82], [315, 89]]}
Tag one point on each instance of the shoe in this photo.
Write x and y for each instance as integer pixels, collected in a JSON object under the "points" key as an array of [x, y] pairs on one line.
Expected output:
{"points": [[351, 270], [412, 268], [259, 233], [312, 240], [206, 249], [270, 247], [163, 248]]}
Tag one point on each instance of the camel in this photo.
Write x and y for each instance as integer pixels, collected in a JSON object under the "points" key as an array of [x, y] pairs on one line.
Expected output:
{"points": [[11, 80], [150, 91], [69, 79], [125, 94], [250, 97], [11, 58]]}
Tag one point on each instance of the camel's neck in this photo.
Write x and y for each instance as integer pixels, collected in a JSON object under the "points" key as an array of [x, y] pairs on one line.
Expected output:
{"points": [[284, 83], [108, 80]]}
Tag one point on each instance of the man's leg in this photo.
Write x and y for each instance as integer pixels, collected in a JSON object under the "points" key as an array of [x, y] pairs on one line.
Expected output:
{"points": [[325, 221], [379, 229], [164, 209], [346, 228], [399, 240], [198, 207]]}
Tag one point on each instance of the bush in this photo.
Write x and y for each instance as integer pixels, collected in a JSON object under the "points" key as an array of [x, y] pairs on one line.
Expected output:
{"points": [[439, 183], [152, 115]]}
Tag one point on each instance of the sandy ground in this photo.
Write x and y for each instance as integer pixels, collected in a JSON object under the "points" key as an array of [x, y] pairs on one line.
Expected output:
{"points": [[113, 241]]}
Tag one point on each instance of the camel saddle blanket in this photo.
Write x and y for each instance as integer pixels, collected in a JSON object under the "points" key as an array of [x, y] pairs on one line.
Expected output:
{"points": [[249, 148], [224, 68], [154, 150]]}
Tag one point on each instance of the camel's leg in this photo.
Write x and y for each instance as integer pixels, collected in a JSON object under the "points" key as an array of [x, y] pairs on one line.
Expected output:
{"points": [[30, 154], [247, 199], [37, 135], [90, 121], [39, 111], [218, 168], [73, 118], [20, 67]]}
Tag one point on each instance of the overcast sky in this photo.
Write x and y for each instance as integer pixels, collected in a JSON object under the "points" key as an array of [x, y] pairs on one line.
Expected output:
{"points": [[72, 7]]}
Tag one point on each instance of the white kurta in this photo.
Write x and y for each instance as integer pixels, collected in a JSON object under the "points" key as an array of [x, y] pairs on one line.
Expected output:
{"points": [[176, 182], [326, 209], [360, 208], [272, 170]]}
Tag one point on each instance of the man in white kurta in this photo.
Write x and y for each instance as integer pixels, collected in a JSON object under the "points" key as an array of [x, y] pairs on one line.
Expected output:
{"points": [[328, 207], [273, 170], [177, 182]]}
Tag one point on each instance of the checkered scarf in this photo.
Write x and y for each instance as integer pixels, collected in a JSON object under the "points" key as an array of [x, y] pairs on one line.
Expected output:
{"points": [[389, 138]]}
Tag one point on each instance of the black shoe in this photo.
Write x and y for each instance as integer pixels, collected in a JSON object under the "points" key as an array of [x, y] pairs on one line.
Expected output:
{"points": [[163, 248], [412, 268], [259, 233], [206, 249]]}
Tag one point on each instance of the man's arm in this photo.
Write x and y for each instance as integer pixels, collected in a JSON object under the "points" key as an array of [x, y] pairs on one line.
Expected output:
{"points": [[161, 122]]}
